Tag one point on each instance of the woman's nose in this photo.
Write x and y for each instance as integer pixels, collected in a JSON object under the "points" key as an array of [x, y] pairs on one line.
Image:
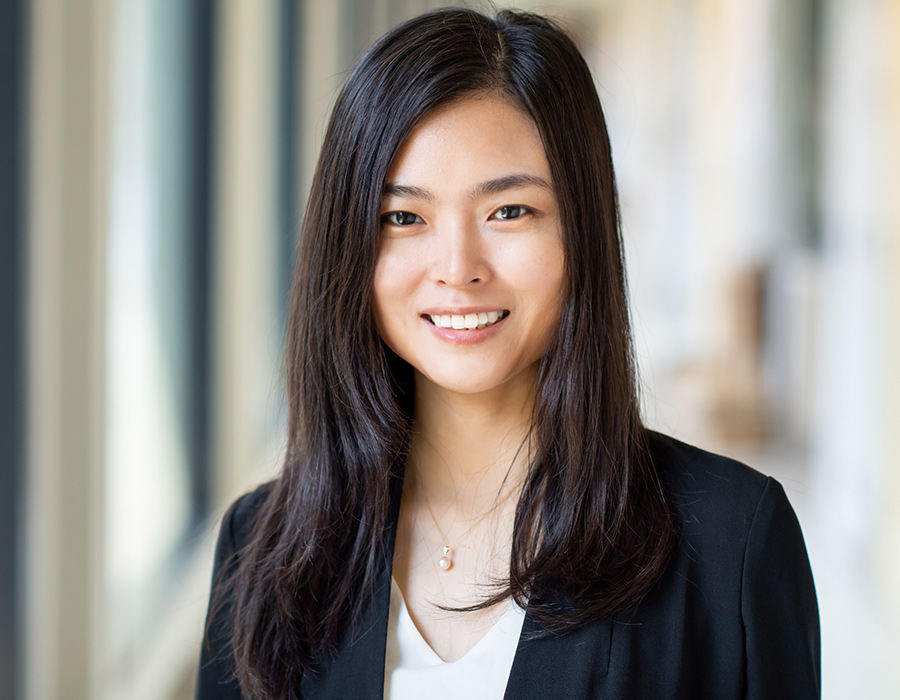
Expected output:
{"points": [[460, 257]]}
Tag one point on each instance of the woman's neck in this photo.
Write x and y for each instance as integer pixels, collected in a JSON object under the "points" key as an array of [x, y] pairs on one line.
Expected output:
{"points": [[466, 448], [468, 458]]}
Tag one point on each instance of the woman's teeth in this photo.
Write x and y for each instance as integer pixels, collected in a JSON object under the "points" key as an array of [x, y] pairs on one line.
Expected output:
{"points": [[469, 321]]}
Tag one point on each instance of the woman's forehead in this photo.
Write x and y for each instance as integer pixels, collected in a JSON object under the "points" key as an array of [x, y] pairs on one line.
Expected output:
{"points": [[485, 138]]}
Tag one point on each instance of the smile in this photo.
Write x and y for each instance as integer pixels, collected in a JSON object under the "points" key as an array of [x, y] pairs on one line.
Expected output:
{"points": [[468, 321]]}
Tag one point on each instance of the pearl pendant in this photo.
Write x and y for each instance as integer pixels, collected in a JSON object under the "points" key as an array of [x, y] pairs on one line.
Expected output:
{"points": [[445, 562]]}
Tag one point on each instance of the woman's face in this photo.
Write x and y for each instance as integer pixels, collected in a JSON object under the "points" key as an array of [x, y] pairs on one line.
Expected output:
{"points": [[469, 278]]}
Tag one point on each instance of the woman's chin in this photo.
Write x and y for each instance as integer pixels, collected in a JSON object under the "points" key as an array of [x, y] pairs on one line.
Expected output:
{"points": [[473, 381]]}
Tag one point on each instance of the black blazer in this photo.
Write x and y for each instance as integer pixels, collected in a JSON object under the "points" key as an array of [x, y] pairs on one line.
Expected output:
{"points": [[735, 615]]}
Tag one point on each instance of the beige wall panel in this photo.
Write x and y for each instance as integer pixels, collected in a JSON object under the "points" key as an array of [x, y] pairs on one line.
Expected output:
{"points": [[322, 77], [67, 204], [245, 338]]}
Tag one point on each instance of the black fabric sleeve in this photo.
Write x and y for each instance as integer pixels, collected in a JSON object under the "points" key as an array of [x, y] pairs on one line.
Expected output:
{"points": [[778, 605], [215, 676]]}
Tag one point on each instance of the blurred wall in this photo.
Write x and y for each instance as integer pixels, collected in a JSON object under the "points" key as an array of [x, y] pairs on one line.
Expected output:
{"points": [[169, 150], [12, 356]]}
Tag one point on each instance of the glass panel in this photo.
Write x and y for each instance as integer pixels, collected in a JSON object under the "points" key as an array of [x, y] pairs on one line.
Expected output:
{"points": [[148, 486]]}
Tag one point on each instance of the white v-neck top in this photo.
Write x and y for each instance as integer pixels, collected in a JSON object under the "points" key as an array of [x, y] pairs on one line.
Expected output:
{"points": [[413, 670]]}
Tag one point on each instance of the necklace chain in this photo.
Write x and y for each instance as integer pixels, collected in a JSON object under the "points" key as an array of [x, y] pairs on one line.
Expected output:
{"points": [[446, 560]]}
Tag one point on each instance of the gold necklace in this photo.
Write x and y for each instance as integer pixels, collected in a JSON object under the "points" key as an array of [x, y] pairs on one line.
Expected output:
{"points": [[446, 560]]}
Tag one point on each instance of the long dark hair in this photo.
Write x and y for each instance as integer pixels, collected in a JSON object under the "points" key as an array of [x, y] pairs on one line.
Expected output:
{"points": [[593, 530]]}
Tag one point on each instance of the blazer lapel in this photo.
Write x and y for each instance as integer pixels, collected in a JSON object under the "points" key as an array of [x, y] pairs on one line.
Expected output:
{"points": [[569, 666], [357, 670], [546, 666]]}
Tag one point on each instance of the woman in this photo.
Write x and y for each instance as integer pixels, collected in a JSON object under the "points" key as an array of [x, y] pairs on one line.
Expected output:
{"points": [[470, 504]]}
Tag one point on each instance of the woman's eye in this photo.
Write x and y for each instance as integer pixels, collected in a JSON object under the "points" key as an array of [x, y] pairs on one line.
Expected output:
{"points": [[401, 218], [510, 212]]}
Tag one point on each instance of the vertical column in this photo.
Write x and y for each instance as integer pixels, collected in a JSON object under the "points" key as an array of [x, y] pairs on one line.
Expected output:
{"points": [[69, 46], [322, 76], [12, 355], [889, 550], [245, 347], [849, 434], [853, 432]]}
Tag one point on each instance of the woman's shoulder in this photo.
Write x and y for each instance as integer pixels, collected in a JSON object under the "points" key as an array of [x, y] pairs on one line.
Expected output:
{"points": [[700, 482], [739, 585], [240, 517], [215, 678], [737, 527], [724, 509]]}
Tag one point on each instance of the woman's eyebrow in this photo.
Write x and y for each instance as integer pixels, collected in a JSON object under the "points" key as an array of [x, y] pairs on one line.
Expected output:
{"points": [[508, 182], [500, 184], [395, 189]]}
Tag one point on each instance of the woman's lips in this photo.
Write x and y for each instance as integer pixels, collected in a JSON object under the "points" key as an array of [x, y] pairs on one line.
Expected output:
{"points": [[466, 329], [469, 321]]}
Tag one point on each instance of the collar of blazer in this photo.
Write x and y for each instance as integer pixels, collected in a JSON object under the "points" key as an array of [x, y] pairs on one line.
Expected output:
{"points": [[541, 661]]}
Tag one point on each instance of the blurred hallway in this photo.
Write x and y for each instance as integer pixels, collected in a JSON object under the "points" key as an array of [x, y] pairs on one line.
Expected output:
{"points": [[159, 154]]}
